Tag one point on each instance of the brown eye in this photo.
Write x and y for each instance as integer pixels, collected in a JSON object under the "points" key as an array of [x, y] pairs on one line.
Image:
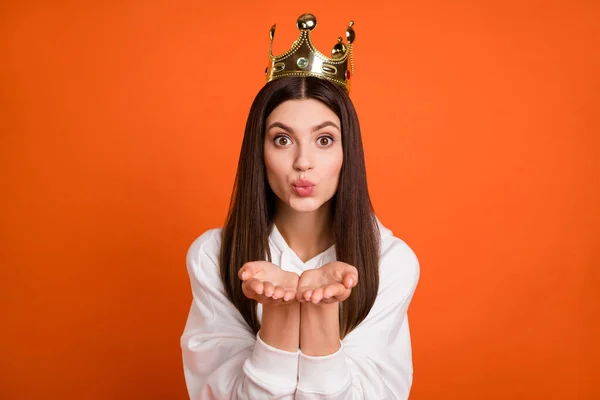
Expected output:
{"points": [[281, 141], [325, 141]]}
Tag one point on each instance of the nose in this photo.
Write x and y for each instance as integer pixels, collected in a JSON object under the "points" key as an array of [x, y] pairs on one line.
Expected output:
{"points": [[304, 159]]}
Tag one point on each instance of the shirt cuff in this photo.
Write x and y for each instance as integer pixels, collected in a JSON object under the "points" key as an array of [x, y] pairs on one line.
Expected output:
{"points": [[271, 366], [323, 375]]}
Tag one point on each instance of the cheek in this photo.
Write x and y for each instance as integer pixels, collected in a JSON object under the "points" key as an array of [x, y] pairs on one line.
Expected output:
{"points": [[274, 166], [333, 165]]}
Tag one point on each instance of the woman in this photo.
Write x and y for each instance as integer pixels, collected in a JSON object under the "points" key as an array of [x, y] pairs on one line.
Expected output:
{"points": [[303, 293]]}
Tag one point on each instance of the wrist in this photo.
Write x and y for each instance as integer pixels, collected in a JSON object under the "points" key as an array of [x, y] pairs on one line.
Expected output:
{"points": [[280, 326], [321, 314], [319, 330], [282, 308]]}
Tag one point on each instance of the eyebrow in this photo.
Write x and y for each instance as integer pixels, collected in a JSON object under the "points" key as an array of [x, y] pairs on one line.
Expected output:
{"points": [[314, 129]]}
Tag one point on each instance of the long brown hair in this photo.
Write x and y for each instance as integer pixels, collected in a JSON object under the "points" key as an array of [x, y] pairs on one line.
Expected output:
{"points": [[249, 221]]}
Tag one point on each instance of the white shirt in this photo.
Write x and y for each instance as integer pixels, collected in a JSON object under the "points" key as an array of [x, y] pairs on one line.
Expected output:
{"points": [[223, 359]]}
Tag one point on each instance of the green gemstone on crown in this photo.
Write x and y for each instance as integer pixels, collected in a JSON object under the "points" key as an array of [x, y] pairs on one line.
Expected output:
{"points": [[302, 62]]}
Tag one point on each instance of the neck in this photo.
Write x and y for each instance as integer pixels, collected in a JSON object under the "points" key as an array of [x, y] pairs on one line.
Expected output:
{"points": [[307, 233]]}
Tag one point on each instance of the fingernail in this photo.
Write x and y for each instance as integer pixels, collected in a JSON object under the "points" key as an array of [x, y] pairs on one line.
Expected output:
{"points": [[244, 275], [350, 282]]}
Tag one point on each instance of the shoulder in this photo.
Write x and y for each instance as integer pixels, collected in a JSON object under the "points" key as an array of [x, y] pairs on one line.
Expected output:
{"points": [[205, 247], [398, 263]]}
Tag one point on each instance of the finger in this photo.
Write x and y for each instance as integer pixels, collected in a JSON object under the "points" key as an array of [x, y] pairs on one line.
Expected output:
{"points": [[307, 294], [343, 295], [335, 293], [256, 286], [268, 289], [301, 293], [334, 290], [289, 295], [317, 295], [249, 293], [279, 292], [330, 291]]}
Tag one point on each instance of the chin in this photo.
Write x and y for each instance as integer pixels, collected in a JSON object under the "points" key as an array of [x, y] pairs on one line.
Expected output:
{"points": [[305, 204]]}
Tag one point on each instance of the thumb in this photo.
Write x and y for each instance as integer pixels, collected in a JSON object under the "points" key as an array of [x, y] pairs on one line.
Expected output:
{"points": [[247, 271], [350, 280]]}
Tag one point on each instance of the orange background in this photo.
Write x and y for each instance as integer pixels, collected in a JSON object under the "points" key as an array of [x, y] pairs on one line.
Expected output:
{"points": [[121, 124]]}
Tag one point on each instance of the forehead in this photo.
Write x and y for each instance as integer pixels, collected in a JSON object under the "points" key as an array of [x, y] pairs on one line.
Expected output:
{"points": [[302, 114]]}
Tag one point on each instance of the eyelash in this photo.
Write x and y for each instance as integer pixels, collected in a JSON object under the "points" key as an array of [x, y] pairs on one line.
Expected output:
{"points": [[331, 140]]}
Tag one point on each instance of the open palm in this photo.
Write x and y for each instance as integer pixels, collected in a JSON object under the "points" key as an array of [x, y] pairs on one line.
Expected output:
{"points": [[332, 283], [267, 283]]}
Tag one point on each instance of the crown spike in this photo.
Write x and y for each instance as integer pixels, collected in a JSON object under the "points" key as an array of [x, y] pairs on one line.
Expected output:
{"points": [[272, 32]]}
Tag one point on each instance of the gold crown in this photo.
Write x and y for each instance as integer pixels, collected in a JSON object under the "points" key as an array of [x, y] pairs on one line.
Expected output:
{"points": [[303, 59]]}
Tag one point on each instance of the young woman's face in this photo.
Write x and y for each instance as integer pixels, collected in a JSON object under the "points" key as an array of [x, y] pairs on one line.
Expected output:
{"points": [[303, 153]]}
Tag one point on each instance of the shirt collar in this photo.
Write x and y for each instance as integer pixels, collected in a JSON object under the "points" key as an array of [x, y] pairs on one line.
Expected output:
{"points": [[289, 261]]}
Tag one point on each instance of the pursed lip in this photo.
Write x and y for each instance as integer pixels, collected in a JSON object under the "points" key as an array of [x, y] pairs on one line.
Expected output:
{"points": [[303, 183]]}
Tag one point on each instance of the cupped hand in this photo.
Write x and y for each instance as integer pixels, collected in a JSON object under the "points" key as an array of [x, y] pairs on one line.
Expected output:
{"points": [[332, 283], [267, 283]]}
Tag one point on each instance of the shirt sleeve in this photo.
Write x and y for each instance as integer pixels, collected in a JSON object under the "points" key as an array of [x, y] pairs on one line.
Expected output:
{"points": [[375, 359], [222, 358]]}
